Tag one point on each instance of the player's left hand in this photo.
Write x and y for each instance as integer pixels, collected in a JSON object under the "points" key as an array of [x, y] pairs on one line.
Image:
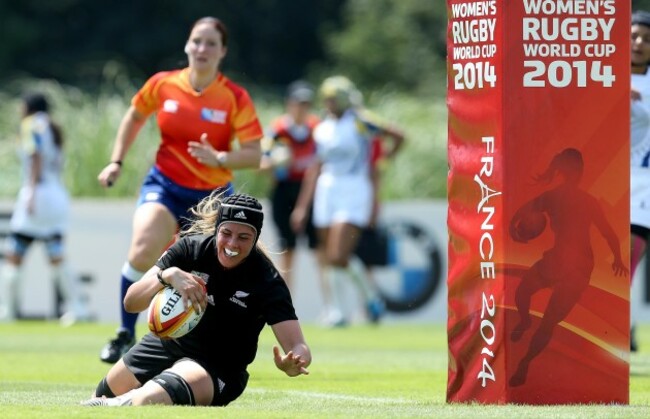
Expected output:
{"points": [[290, 363], [203, 151]]}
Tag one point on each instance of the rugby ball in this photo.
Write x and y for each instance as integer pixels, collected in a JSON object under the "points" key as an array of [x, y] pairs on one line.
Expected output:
{"points": [[529, 226], [168, 317]]}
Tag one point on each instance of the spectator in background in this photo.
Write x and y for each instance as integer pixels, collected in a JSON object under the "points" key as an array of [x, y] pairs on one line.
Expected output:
{"points": [[640, 144], [291, 149], [41, 212], [340, 185], [199, 112]]}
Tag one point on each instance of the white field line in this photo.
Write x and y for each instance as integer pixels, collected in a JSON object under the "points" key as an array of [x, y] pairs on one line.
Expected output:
{"points": [[332, 396]]}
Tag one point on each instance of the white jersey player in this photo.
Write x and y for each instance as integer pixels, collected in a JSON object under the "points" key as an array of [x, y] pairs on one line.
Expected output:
{"points": [[40, 212], [340, 185], [639, 143]]}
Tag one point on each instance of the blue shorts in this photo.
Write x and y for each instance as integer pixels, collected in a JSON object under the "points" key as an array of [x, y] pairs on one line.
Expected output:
{"points": [[178, 199], [18, 244]]}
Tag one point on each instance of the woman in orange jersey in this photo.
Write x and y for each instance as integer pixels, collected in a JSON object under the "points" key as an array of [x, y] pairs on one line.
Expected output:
{"points": [[199, 113]]}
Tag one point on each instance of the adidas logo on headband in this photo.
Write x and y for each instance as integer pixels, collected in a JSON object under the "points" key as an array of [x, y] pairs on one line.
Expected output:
{"points": [[241, 209]]}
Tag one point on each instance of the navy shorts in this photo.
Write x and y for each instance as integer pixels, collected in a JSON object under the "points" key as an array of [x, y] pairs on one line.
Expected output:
{"points": [[18, 244], [178, 199], [151, 356]]}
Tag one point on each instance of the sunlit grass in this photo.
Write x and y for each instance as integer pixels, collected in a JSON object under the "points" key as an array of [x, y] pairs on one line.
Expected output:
{"points": [[397, 371]]}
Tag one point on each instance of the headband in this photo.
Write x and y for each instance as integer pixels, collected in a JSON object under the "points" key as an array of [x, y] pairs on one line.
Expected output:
{"points": [[241, 214]]}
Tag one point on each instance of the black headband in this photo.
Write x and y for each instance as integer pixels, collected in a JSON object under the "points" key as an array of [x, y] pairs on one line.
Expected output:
{"points": [[239, 214], [641, 17]]}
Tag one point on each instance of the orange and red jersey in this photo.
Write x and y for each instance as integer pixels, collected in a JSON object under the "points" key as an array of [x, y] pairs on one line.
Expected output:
{"points": [[302, 144], [223, 110]]}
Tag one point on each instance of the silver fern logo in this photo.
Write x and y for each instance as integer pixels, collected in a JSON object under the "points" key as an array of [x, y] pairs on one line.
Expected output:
{"points": [[237, 298]]}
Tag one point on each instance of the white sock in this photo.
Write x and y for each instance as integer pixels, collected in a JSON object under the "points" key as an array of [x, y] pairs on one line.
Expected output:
{"points": [[358, 274], [130, 273], [125, 399], [69, 283], [9, 275], [336, 277]]}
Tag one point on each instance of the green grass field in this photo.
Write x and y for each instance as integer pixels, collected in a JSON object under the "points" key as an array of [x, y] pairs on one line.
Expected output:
{"points": [[397, 371]]}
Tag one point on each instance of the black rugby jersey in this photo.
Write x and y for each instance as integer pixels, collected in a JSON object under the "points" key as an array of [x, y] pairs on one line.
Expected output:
{"points": [[241, 301]]}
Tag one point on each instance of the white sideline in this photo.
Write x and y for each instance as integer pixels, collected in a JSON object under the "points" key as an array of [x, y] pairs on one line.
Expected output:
{"points": [[331, 396]]}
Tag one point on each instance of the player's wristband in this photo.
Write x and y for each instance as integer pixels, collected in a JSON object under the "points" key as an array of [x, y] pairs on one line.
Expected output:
{"points": [[118, 162], [221, 159], [161, 280]]}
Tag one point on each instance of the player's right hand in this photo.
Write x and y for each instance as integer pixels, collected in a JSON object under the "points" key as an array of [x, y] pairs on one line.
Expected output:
{"points": [[109, 175], [298, 219]]}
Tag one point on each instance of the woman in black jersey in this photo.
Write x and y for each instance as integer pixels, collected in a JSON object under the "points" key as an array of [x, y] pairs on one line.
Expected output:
{"points": [[219, 253]]}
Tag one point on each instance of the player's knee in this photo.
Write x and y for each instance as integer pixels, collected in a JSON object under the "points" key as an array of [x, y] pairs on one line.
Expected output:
{"points": [[103, 389], [338, 260], [178, 389]]}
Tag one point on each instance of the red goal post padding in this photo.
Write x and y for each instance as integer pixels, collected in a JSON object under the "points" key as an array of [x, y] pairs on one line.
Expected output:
{"points": [[538, 189]]}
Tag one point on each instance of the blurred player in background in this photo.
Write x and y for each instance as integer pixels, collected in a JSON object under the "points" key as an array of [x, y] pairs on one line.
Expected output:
{"points": [[199, 113], [219, 267], [41, 212], [341, 187], [369, 247], [291, 149], [640, 144]]}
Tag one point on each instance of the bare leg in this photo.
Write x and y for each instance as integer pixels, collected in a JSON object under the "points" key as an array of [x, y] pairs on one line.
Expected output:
{"points": [[197, 378], [287, 267]]}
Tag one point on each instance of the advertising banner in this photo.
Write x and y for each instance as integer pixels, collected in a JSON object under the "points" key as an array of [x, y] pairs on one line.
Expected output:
{"points": [[538, 191]]}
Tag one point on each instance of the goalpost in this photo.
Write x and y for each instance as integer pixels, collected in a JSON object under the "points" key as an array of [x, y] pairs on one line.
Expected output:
{"points": [[538, 190]]}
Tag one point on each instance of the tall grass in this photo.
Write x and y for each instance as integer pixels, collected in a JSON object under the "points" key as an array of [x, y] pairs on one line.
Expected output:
{"points": [[90, 121]]}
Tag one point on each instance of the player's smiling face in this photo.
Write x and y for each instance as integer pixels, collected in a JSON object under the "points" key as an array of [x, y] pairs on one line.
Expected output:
{"points": [[234, 243], [640, 45], [205, 48]]}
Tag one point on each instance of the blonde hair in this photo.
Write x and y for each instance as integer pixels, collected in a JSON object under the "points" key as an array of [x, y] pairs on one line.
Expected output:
{"points": [[204, 215], [204, 219], [342, 90]]}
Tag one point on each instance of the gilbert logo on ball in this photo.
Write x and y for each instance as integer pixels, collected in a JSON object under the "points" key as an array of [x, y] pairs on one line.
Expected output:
{"points": [[168, 317]]}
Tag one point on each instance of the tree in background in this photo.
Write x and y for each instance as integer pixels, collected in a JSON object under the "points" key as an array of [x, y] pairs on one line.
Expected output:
{"points": [[73, 40], [378, 43], [394, 43], [641, 4]]}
